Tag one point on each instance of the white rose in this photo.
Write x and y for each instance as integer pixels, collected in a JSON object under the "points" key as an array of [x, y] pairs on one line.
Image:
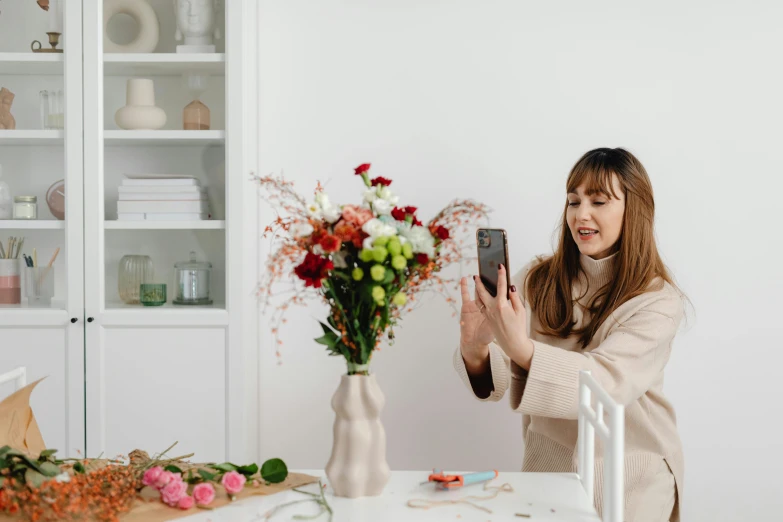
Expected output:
{"points": [[63, 477], [318, 250], [332, 214], [373, 227], [301, 229], [322, 199], [370, 195], [367, 243], [421, 240], [386, 194], [382, 206]]}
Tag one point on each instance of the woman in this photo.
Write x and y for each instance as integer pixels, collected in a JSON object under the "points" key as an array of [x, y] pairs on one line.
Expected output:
{"points": [[618, 321]]}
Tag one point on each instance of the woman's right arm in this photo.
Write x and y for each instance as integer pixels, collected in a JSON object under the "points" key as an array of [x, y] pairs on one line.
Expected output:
{"points": [[488, 376]]}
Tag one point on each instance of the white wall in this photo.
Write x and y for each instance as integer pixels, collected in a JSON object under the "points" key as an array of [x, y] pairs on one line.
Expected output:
{"points": [[496, 100]]}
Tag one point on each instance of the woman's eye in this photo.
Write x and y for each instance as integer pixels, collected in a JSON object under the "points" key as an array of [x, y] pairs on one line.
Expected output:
{"points": [[599, 202], [573, 203]]}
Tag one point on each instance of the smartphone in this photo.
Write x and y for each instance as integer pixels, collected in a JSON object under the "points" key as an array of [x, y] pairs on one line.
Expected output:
{"points": [[492, 244]]}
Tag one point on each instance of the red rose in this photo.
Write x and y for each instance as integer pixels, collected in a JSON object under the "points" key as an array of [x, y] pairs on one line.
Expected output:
{"points": [[361, 169], [398, 214], [422, 258], [380, 180], [313, 269], [330, 243], [401, 213], [442, 232]]}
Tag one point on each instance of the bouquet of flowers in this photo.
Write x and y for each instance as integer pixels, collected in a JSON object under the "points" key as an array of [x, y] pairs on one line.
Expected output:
{"points": [[368, 262]]}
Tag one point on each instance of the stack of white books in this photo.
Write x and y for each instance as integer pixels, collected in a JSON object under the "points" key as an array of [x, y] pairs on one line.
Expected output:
{"points": [[161, 197]]}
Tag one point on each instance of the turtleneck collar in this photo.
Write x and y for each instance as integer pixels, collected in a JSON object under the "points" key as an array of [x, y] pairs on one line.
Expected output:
{"points": [[598, 272]]}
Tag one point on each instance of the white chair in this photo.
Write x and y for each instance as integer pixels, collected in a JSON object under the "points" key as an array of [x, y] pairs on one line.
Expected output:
{"points": [[613, 437], [17, 374]]}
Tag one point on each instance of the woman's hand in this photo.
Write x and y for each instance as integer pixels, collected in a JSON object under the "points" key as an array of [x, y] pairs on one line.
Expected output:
{"points": [[507, 319], [475, 331]]}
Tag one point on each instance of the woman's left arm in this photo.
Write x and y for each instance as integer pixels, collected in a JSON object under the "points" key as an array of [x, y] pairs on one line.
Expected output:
{"points": [[626, 363]]}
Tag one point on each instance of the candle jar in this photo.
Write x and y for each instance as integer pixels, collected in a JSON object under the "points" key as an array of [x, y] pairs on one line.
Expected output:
{"points": [[192, 282], [25, 207]]}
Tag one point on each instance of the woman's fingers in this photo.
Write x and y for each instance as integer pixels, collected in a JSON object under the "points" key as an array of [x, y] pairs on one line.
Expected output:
{"points": [[483, 295], [502, 286], [464, 290]]}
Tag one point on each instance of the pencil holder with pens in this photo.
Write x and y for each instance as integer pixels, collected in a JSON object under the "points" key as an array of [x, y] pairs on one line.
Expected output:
{"points": [[10, 281], [39, 285]]}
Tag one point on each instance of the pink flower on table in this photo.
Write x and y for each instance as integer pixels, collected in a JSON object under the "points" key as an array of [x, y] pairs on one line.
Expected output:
{"points": [[204, 493], [185, 502], [163, 479], [233, 482], [174, 491], [151, 476]]}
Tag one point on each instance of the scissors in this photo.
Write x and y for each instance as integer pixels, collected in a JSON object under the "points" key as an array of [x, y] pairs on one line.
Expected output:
{"points": [[456, 480]]}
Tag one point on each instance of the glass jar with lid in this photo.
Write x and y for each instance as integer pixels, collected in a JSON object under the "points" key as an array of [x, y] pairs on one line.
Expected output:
{"points": [[25, 207], [192, 280]]}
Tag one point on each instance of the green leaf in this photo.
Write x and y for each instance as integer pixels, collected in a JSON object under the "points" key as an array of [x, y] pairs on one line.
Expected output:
{"points": [[206, 475], [79, 467], [274, 470], [226, 466], [49, 469], [172, 468], [33, 478], [47, 453], [331, 321], [4, 464], [5, 449], [248, 470], [2, 479]]}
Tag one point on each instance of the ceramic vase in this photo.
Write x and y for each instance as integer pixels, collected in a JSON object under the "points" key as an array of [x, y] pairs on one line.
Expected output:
{"points": [[357, 466], [140, 111]]}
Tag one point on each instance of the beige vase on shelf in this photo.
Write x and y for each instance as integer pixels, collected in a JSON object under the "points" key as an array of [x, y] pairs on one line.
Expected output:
{"points": [[140, 111], [357, 466]]}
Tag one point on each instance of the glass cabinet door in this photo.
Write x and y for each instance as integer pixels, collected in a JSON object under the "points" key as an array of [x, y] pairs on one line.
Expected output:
{"points": [[41, 211]]}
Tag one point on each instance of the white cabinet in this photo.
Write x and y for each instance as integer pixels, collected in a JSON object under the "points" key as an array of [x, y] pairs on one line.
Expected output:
{"points": [[125, 376]]}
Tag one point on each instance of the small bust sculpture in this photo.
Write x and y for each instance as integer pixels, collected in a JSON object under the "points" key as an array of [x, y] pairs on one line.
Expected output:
{"points": [[7, 120], [196, 24]]}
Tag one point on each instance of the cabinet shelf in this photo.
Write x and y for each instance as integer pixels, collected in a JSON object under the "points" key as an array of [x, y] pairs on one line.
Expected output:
{"points": [[164, 137], [22, 315], [31, 63], [165, 225], [32, 224], [163, 64], [31, 137], [121, 314]]}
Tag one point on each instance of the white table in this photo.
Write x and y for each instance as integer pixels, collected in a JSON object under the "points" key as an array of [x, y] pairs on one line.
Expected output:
{"points": [[548, 497]]}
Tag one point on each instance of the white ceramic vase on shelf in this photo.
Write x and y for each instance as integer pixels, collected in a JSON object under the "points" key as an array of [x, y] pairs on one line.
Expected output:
{"points": [[357, 466], [140, 111]]}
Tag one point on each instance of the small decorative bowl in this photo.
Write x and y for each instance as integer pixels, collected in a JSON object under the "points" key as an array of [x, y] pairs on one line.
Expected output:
{"points": [[153, 294]]}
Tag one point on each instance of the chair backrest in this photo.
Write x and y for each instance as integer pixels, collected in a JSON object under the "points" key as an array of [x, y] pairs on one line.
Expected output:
{"points": [[613, 438], [19, 375]]}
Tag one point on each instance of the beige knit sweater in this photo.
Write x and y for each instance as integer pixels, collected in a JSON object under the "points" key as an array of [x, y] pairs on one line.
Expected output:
{"points": [[627, 356]]}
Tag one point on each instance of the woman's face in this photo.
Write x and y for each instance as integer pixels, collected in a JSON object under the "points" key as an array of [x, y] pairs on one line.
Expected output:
{"points": [[596, 220]]}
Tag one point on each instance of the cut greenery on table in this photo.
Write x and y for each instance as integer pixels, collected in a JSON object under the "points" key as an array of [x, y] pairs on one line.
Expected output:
{"points": [[47, 488]]}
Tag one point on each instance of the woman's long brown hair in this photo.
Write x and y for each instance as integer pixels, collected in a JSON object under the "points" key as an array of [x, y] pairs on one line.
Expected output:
{"points": [[637, 265]]}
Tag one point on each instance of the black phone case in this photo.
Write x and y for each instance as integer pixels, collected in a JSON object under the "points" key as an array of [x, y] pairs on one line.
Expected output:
{"points": [[492, 246]]}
